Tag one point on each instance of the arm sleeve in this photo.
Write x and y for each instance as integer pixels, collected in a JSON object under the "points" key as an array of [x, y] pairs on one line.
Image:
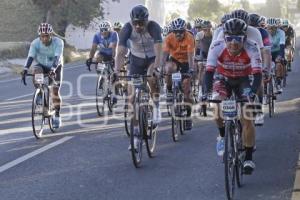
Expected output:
{"points": [[208, 78], [55, 62], [256, 82], [155, 32], [28, 62], [125, 34]]}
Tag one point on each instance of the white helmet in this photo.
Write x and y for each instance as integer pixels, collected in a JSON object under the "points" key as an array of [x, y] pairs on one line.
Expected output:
{"points": [[45, 28], [105, 25], [118, 25]]}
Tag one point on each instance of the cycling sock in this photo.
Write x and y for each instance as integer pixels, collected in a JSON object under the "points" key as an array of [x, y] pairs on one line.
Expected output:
{"points": [[222, 131], [249, 151]]}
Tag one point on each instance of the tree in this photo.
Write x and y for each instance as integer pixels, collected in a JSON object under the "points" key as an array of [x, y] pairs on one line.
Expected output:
{"points": [[245, 4], [61, 13], [208, 9]]}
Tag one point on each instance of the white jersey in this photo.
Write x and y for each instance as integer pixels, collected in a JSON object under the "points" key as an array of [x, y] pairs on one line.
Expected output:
{"points": [[252, 34], [246, 63]]}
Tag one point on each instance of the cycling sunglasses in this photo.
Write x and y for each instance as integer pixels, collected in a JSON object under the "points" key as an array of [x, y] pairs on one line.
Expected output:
{"points": [[178, 32], [103, 30], [237, 38], [138, 22]]}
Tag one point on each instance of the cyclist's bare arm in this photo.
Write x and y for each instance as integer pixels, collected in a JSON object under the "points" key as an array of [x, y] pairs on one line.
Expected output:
{"points": [[158, 54], [93, 50], [266, 57], [164, 58], [120, 57], [191, 60]]}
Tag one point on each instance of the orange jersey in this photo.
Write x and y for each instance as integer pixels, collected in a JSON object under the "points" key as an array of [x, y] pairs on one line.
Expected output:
{"points": [[179, 49]]}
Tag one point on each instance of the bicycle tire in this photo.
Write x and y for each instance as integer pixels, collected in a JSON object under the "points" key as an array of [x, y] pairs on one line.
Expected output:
{"points": [[51, 108], [137, 154], [240, 155], [229, 165], [38, 133], [181, 117], [175, 122], [99, 95], [151, 133], [271, 101]]}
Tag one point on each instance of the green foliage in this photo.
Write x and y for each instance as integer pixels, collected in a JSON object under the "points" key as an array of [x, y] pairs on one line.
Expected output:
{"points": [[208, 9], [76, 12]]}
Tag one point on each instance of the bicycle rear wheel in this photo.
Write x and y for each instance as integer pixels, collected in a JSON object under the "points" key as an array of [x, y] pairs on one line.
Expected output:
{"points": [[37, 115], [100, 92], [229, 157], [151, 133]]}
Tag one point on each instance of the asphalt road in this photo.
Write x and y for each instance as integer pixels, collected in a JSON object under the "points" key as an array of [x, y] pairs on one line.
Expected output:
{"points": [[88, 158]]}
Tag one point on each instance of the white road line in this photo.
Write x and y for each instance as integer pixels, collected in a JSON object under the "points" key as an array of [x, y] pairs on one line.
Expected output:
{"points": [[296, 190], [32, 154], [65, 69], [19, 97]]}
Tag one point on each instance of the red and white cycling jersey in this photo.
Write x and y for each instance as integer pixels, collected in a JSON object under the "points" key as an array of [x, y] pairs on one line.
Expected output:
{"points": [[246, 63]]}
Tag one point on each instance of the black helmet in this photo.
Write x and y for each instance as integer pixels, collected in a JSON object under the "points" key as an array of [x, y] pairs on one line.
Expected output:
{"points": [[225, 18], [139, 13], [240, 14], [235, 27], [254, 19]]}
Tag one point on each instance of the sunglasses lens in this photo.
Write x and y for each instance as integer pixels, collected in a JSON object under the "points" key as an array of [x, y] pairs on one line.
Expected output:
{"points": [[236, 38], [103, 30]]}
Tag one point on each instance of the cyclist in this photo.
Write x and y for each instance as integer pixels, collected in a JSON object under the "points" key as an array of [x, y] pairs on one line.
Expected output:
{"points": [[290, 40], [277, 50], [145, 41], [254, 21], [47, 51], [234, 58], [224, 18], [107, 40], [203, 40], [180, 45]]}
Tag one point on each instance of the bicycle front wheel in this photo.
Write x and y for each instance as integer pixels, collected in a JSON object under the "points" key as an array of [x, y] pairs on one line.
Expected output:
{"points": [[136, 138], [229, 161], [100, 92], [151, 133], [37, 115]]}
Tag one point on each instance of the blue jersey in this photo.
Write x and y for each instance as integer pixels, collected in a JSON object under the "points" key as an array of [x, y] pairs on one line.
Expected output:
{"points": [[44, 55], [104, 43], [278, 39]]}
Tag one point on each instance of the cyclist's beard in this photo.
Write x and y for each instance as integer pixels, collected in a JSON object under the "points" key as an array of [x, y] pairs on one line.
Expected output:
{"points": [[48, 42], [139, 29], [234, 49]]}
